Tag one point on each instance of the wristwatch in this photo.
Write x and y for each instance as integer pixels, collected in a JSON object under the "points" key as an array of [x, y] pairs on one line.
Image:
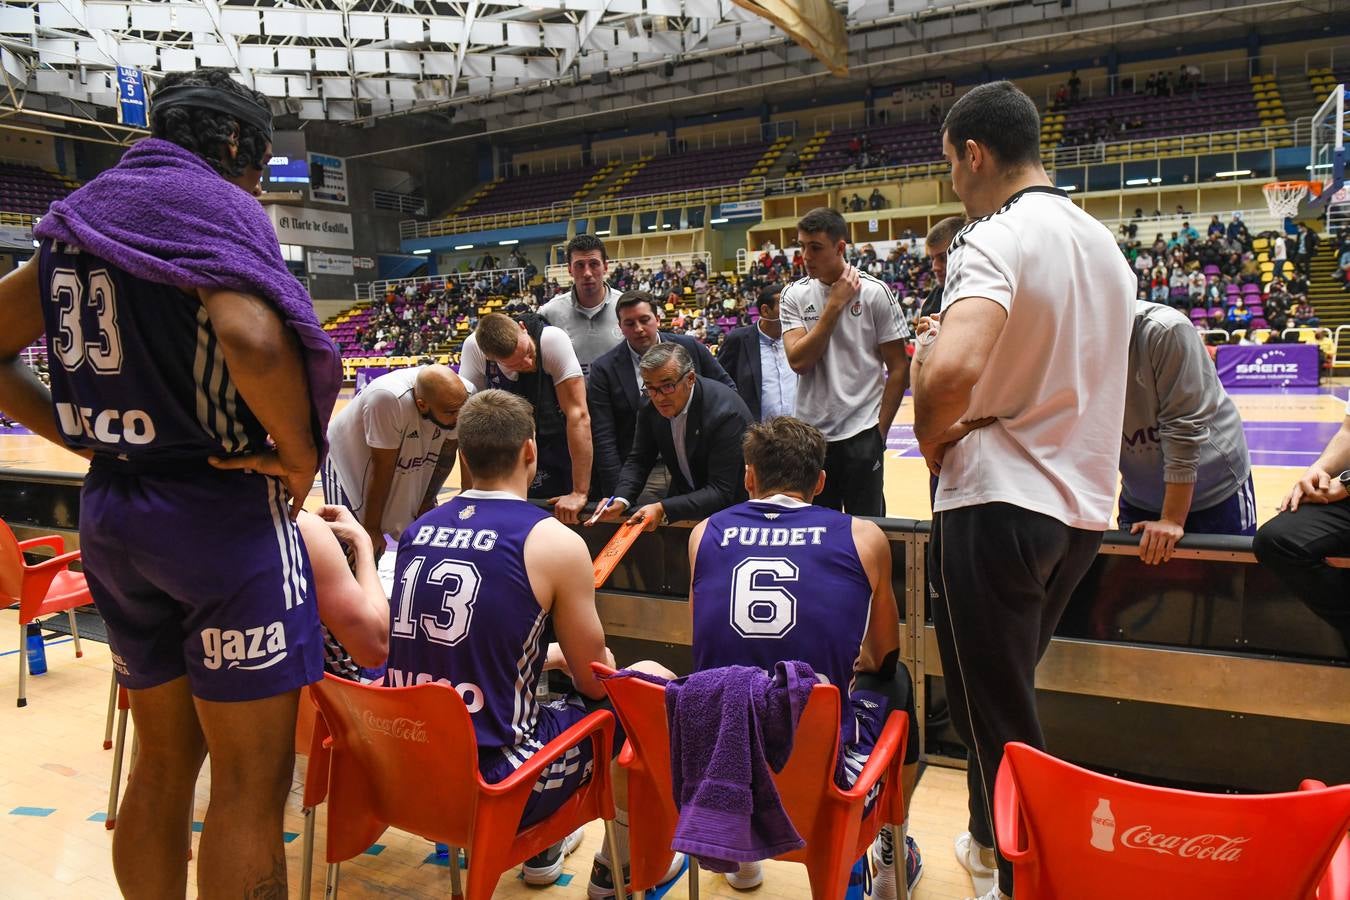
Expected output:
{"points": [[1344, 479]]}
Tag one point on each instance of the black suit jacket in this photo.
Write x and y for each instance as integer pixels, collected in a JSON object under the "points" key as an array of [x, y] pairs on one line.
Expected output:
{"points": [[716, 424], [613, 397], [739, 355]]}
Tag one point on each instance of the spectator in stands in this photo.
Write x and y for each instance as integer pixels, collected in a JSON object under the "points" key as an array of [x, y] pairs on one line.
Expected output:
{"points": [[535, 360], [1075, 86], [1344, 264], [1215, 227], [845, 336], [586, 313], [1188, 233], [488, 262], [754, 357], [614, 394], [1195, 288], [1238, 317], [1304, 314], [695, 426], [1312, 526], [876, 200], [1184, 464], [856, 204], [1305, 246]]}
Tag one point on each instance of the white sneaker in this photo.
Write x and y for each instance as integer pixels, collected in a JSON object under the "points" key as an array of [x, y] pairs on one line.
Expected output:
{"points": [[993, 894], [748, 877], [980, 862], [545, 868]]}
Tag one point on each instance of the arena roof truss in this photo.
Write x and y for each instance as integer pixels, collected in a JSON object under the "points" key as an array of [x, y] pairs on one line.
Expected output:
{"points": [[521, 63]]}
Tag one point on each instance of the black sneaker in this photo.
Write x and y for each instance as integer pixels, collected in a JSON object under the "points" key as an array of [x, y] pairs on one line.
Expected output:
{"points": [[602, 880], [544, 868]]}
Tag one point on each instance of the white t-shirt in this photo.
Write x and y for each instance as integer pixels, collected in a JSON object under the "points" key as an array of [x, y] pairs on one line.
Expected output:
{"points": [[841, 394], [560, 360], [1056, 377], [384, 416]]}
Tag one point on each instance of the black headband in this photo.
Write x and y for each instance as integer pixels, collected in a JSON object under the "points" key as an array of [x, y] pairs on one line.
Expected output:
{"points": [[214, 98]]}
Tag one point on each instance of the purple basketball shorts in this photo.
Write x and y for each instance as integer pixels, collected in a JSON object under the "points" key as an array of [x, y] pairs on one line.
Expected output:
{"points": [[566, 775], [201, 573]]}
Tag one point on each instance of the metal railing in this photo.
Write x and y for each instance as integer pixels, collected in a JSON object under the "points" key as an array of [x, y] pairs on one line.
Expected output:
{"points": [[404, 203], [1235, 141], [688, 257], [369, 290], [1340, 341], [1258, 138]]}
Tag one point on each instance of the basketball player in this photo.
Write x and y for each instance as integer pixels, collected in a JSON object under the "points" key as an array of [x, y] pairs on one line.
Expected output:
{"points": [[826, 577], [479, 580], [1036, 315], [175, 334], [393, 446]]}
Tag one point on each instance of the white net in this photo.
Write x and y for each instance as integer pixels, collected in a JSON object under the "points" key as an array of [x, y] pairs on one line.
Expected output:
{"points": [[1284, 197]]}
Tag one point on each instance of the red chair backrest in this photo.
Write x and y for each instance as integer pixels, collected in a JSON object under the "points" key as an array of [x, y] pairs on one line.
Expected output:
{"points": [[1071, 833], [11, 566], [409, 759], [805, 785]]}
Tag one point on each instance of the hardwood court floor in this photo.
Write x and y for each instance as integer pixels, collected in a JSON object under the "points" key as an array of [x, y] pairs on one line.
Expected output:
{"points": [[54, 790]]}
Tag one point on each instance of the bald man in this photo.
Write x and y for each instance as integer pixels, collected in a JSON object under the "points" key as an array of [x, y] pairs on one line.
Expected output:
{"points": [[393, 447]]}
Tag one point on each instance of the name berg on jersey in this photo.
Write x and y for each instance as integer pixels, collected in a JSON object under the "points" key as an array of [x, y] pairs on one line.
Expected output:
{"points": [[773, 537], [108, 426], [455, 538]]}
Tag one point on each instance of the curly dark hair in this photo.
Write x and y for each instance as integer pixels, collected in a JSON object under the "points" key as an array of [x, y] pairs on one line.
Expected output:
{"points": [[207, 132]]}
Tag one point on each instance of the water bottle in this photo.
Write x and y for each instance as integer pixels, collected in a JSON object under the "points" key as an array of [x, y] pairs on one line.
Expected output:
{"points": [[37, 650], [1103, 826]]}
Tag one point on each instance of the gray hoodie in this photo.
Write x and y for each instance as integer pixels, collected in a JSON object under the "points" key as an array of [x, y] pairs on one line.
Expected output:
{"points": [[1180, 424]]}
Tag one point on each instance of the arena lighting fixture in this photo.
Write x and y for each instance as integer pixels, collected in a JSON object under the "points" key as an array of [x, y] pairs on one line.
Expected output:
{"points": [[464, 246], [718, 221], [507, 243], [651, 227], [604, 233], [1068, 187], [1135, 182], [421, 252], [666, 225], [1236, 173]]}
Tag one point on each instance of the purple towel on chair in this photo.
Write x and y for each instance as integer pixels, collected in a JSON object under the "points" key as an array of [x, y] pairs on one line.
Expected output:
{"points": [[163, 215], [728, 728]]}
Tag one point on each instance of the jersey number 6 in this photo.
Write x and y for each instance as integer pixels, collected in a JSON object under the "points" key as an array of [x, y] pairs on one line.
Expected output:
{"points": [[760, 606]]}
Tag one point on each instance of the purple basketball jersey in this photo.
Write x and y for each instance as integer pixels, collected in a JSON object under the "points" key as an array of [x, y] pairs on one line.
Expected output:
{"points": [[135, 366], [780, 582], [465, 614]]}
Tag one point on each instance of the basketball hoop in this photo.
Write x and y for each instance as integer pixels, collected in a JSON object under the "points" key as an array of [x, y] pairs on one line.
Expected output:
{"points": [[1283, 197]]}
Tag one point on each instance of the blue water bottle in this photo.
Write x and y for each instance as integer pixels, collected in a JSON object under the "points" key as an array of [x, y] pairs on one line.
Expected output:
{"points": [[37, 651]]}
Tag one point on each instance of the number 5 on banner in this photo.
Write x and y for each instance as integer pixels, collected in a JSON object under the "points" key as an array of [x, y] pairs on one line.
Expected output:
{"points": [[614, 551]]}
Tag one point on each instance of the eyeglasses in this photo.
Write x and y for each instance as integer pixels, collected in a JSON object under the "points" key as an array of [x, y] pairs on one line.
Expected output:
{"points": [[669, 387]]}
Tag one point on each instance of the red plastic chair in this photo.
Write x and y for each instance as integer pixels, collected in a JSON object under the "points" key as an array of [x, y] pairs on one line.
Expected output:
{"points": [[311, 733], [40, 590], [1335, 883], [1071, 833], [380, 735], [829, 819]]}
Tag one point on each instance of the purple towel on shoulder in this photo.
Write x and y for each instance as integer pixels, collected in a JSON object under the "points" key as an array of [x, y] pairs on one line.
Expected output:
{"points": [[163, 215], [728, 728]]}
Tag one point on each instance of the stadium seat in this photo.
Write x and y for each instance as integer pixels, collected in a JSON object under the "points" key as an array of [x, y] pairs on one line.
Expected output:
{"points": [[1071, 833], [39, 590], [837, 825], [379, 735]]}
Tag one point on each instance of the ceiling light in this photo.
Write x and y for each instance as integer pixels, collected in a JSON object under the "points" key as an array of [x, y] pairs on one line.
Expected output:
{"points": [[464, 246], [421, 252], [1236, 173]]}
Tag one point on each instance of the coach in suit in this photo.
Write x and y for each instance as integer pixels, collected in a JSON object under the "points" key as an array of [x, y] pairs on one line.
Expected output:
{"points": [[754, 357], [695, 425], [613, 394]]}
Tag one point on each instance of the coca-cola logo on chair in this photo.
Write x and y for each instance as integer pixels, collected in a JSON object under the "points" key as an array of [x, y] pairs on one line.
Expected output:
{"points": [[1209, 847], [401, 728]]}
